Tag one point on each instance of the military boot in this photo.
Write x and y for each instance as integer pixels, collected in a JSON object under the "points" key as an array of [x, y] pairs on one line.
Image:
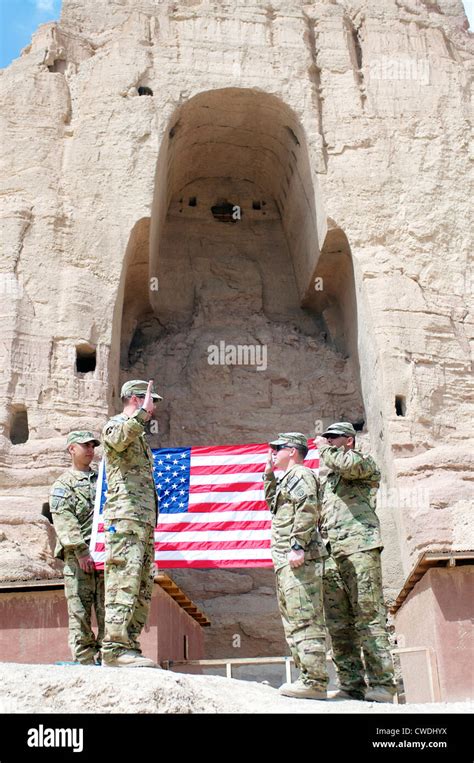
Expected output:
{"points": [[302, 690], [380, 694], [128, 659], [346, 694]]}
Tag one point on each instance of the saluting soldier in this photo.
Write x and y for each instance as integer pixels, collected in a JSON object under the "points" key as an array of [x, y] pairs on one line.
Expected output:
{"points": [[298, 553], [130, 517], [72, 508], [353, 597]]}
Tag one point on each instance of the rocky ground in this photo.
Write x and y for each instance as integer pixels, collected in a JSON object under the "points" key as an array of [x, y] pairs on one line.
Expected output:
{"points": [[77, 689]]}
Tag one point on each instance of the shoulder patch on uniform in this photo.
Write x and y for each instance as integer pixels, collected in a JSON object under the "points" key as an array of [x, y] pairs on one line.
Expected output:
{"points": [[299, 491], [297, 487], [59, 492], [293, 481]]}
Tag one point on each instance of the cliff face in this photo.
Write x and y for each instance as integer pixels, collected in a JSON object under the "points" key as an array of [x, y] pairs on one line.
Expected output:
{"points": [[341, 131]]}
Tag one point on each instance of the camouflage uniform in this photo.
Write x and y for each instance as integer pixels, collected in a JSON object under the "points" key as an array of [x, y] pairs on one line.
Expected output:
{"points": [[353, 599], [72, 508], [294, 504], [130, 517]]}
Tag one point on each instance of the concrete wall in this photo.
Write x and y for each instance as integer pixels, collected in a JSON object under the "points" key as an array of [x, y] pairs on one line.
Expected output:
{"points": [[439, 614], [34, 628]]}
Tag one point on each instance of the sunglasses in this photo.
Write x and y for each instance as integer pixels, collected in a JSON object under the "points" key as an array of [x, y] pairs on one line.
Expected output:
{"points": [[282, 447]]}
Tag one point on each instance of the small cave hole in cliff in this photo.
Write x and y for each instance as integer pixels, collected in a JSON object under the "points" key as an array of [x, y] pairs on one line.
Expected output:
{"points": [[86, 359], [46, 512], [142, 90], [58, 66], [19, 430], [400, 405]]}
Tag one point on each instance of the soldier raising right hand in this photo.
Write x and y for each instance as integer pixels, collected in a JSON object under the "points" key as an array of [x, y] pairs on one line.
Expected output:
{"points": [[298, 553], [130, 517]]}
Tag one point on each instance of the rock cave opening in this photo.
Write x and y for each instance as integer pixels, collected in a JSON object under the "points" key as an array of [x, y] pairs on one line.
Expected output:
{"points": [[400, 405], [19, 429], [86, 358], [250, 283]]}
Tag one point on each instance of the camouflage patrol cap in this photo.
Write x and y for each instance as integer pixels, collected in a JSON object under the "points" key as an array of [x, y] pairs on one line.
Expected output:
{"points": [[341, 429], [81, 436], [294, 439], [137, 387]]}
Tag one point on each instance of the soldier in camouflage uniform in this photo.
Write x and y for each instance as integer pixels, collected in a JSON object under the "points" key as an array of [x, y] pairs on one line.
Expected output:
{"points": [[353, 598], [130, 517], [298, 553], [72, 507]]}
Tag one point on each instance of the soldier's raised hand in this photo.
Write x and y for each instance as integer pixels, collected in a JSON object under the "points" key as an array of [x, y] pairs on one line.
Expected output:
{"points": [[148, 403], [269, 464]]}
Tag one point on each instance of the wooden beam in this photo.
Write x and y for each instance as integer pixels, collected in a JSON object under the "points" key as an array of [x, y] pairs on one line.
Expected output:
{"points": [[169, 586], [31, 585], [425, 562]]}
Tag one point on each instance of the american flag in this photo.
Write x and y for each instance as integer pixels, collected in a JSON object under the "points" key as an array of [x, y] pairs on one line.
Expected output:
{"points": [[212, 507]]}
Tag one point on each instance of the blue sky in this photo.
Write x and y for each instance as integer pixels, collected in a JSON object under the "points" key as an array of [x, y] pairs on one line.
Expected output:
{"points": [[20, 18]]}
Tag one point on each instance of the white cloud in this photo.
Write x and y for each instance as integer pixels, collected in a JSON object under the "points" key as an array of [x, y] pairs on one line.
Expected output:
{"points": [[44, 5]]}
